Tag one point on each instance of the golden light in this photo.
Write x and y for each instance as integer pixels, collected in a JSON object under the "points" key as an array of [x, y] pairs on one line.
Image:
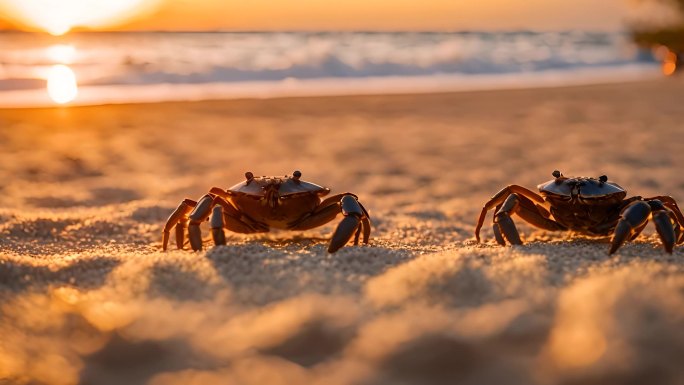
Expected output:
{"points": [[667, 58], [59, 16], [670, 64], [577, 346], [61, 84], [61, 53]]}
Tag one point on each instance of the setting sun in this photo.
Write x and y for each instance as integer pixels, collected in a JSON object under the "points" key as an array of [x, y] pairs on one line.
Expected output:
{"points": [[59, 17], [61, 84]]}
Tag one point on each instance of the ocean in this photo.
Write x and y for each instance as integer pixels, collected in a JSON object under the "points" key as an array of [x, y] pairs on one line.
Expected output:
{"points": [[161, 66]]}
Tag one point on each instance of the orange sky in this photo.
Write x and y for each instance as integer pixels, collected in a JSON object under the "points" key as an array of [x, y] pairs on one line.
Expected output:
{"points": [[375, 15]]}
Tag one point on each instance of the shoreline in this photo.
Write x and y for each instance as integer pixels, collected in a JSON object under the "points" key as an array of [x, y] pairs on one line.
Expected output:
{"points": [[320, 88]]}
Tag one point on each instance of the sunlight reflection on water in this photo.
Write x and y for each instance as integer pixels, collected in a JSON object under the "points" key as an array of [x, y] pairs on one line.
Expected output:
{"points": [[61, 84], [61, 53]]}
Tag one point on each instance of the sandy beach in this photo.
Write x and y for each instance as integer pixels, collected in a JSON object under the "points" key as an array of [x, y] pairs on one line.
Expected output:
{"points": [[88, 297]]}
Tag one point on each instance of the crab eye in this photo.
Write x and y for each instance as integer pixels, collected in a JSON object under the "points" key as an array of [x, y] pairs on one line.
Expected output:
{"points": [[296, 175], [556, 174], [603, 179]]}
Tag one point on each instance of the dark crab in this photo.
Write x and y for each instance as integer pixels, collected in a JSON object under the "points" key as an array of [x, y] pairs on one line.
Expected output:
{"points": [[260, 203], [588, 206]]}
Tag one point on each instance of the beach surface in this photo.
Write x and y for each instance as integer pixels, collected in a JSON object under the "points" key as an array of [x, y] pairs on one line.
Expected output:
{"points": [[88, 297]]}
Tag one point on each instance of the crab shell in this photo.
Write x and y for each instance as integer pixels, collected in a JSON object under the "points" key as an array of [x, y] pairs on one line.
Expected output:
{"points": [[583, 189], [276, 200]]}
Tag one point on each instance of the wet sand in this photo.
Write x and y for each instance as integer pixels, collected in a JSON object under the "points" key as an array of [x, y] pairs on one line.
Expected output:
{"points": [[87, 297]]}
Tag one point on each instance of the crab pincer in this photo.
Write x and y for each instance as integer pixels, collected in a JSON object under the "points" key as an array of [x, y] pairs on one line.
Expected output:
{"points": [[634, 218], [355, 219]]}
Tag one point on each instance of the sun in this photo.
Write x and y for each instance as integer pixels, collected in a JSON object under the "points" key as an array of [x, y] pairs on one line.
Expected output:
{"points": [[61, 84], [58, 17]]}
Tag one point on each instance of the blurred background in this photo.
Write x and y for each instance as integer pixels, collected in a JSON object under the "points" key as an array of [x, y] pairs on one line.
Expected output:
{"points": [[95, 52]]}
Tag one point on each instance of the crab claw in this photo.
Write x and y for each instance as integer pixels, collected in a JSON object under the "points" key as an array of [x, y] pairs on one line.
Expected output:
{"points": [[633, 218], [352, 211], [665, 230], [344, 232]]}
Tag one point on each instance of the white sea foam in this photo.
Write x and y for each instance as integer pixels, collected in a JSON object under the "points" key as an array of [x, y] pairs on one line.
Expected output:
{"points": [[120, 94], [148, 67]]}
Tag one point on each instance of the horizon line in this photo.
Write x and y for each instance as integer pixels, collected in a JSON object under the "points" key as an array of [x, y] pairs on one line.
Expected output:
{"points": [[485, 30]]}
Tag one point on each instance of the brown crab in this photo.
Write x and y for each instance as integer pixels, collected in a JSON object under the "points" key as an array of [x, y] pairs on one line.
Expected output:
{"points": [[588, 206], [260, 203]]}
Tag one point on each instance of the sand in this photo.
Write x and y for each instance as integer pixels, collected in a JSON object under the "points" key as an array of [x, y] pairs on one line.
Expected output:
{"points": [[87, 296]]}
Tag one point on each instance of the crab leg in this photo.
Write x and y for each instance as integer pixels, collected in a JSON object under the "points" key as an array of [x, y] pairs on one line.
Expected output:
{"points": [[366, 225], [218, 191], [197, 216], [324, 213], [328, 209], [499, 198], [217, 226], [670, 203], [504, 227], [497, 229], [178, 218], [503, 224], [180, 233], [237, 222], [357, 235], [536, 215]]}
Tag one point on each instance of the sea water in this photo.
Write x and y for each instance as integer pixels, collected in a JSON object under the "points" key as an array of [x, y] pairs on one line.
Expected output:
{"points": [[161, 66]]}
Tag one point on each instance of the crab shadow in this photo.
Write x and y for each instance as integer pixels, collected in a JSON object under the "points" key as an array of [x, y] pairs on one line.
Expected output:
{"points": [[178, 283], [575, 257], [46, 237], [87, 274], [265, 271]]}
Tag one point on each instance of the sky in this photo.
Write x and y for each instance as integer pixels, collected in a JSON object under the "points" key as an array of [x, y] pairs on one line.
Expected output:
{"points": [[202, 15]]}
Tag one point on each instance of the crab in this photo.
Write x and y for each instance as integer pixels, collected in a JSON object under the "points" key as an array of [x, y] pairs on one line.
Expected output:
{"points": [[589, 206], [260, 203]]}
